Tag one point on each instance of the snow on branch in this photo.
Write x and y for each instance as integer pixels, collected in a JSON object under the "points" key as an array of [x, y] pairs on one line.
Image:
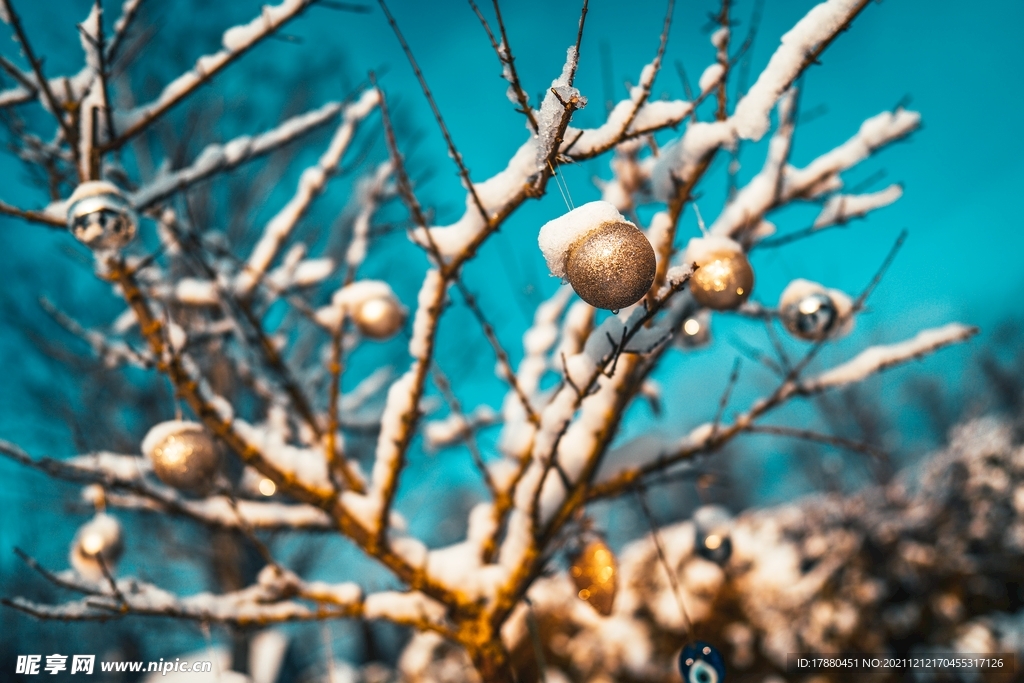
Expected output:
{"points": [[762, 192], [278, 596], [224, 512], [552, 108], [878, 358], [311, 184], [800, 46], [236, 42], [767, 190], [841, 208], [708, 437], [267, 601], [129, 486], [369, 194], [218, 158], [878, 131], [629, 118]]}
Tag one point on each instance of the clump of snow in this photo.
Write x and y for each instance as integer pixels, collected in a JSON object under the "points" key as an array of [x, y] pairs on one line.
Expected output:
{"points": [[552, 108], [817, 26], [700, 249], [679, 160], [877, 358], [559, 234], [425, 320], [711, 77], [841, 208], [402, 607], [720, 37], [875, 132], [347, 301], [495, 193], [456, 426], [195, 292]]}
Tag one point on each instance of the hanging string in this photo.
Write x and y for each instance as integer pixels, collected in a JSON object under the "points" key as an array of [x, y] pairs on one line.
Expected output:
{"points": [[640, 491], [563, 187], [700, 220], [328, 651]]}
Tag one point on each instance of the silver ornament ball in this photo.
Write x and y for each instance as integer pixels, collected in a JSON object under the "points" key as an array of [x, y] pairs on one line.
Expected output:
{"points": [[100, 216], [183, 454], [812, 318], [611, 266], [713, 526], [723, 280], [695, 330]]}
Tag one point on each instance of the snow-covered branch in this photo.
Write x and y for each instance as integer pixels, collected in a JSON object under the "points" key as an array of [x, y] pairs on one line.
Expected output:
{"points": [[878, 358], [311, 185], [236, 41], [219, 158]]}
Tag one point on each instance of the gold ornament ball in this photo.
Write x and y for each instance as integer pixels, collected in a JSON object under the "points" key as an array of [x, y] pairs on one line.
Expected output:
{"points": [[183, 455], [595, 574], [100, 216], [723, 280], [99, 539], [612, 266], [379, 317]]}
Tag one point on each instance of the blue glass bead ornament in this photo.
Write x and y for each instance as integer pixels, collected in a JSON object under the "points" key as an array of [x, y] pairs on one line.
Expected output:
{"points": [[701, 662]]}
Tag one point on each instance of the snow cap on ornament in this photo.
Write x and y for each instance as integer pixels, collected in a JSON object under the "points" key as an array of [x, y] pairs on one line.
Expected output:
{"points": [[183, 454], [99, 539], [812, 312], [100, 216], [724, 278], [608, 261], [371, 304]]}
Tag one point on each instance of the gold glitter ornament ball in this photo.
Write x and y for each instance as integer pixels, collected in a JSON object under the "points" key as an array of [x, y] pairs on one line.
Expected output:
{"points": [[595, 574], [98, 542], [100, 216], [379, 317], [612, 266], [723, 280], [183, 454]]}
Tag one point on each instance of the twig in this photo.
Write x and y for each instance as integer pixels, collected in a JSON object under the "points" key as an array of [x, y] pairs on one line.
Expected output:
{"points": [[723, 402], [37, 68], [469, 438], [809, 435], [508, 373], [41, 217], [463, 171]]}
